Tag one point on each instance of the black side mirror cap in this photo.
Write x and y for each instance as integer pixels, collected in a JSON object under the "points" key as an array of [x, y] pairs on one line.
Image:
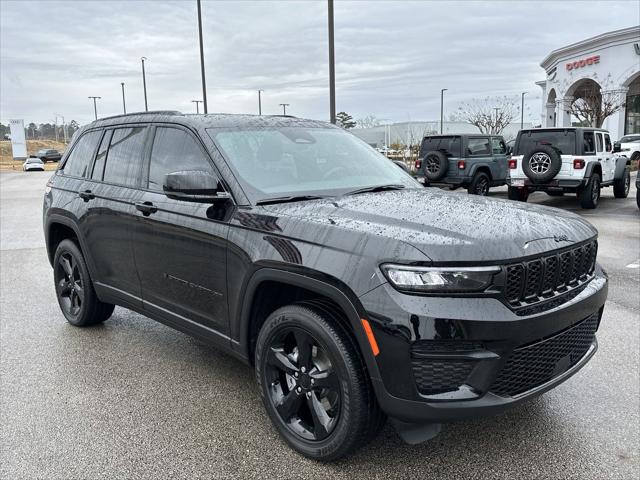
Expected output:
{"points": [[194, 186]]}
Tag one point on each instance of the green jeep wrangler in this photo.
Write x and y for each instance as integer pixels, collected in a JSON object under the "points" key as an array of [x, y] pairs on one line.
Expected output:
{"points": [[473, 161]]}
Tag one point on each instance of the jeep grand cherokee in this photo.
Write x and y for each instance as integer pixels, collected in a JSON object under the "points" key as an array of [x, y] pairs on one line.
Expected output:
{"points": [[297, 248]]}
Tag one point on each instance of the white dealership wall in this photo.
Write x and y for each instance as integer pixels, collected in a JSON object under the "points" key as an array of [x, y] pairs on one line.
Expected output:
{"points": [[611, 59]]}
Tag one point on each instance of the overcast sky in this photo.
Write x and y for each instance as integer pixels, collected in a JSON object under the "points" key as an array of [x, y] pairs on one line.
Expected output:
{"points": [[392, 58]]}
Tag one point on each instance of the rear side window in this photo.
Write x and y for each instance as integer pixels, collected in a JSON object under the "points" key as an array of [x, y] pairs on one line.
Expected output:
{"points": [[498, 146], [175, 150], [82, 154], [589, 143], [450, 146], [607, 143], [562, 140], [478, 146], [124, 157], [101, 157]]}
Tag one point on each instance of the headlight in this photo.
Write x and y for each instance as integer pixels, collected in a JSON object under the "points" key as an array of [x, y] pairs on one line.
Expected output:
{"points": [[439, 279]]}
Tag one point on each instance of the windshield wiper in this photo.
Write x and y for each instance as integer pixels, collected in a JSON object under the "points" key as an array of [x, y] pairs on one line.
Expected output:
{"points": [[376, 188], [294, 198]]}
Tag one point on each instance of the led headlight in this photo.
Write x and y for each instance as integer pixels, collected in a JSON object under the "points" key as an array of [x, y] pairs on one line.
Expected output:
{"points": [[439, 279]]}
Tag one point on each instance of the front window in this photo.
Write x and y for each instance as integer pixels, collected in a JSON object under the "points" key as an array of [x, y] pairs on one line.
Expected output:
{"points": [[562, 140], [290, 161]]}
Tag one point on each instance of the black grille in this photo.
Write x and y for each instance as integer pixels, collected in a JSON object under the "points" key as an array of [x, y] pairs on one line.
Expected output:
{"points": [[535, 364], [437, 376], [548, 276]]}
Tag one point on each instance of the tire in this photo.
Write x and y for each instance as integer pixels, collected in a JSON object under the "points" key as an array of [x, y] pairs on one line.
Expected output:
{"points": [[74, 288], [350, 415], [480, 184], [621, 185], [541, 164], [518, 194], [435, 165], [590, 194]]}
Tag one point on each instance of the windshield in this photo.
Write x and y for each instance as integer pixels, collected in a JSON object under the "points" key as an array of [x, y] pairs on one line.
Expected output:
{"points": [[562, 140], [273, 162], [630, 139]]}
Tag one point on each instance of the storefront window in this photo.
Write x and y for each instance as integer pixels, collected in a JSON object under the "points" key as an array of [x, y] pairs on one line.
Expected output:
{"points": [[632, 114]]}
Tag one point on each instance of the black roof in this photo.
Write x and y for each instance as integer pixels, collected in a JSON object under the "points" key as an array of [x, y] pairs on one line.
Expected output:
{"points": [[560, 129], [463, 135]]}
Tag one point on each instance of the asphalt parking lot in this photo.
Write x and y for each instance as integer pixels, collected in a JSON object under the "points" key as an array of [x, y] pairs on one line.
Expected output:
{"points": [[135, 399]]}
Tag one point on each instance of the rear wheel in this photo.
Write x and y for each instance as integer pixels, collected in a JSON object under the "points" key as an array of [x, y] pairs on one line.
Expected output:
{"points": [[518, 193], [313, 382], [74, 288], [589, 195], [480, 184], [621, 185]]}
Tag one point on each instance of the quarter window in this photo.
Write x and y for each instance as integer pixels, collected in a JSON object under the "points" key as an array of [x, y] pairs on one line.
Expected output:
{"points": [[82, 154], [478, 146], [124, 157], [175, 150], [101, 157]]}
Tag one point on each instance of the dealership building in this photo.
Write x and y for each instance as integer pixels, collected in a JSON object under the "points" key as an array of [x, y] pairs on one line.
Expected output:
{"points": [[608, 64]]}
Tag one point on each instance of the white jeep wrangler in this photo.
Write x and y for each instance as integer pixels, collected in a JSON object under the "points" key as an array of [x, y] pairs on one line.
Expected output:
{"points": [[566, 160]]}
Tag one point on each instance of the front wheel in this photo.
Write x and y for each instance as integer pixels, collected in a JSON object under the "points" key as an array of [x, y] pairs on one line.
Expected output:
{"points": [[518, 194], [589, 195], [74, 288], [479, 185], [621, 185], [313, 382]]}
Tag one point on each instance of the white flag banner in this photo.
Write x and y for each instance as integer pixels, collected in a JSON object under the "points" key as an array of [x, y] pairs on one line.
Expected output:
{"points": [[18, 141]]}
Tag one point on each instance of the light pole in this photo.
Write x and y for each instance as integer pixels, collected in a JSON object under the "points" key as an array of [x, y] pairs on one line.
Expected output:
{"points": [[260, 102], [197, 102], [95, 109], [55, 129], [144, 84], [124, 105], [204, 83], [442, 108], [64, 126], [332, 65], [495, 125], [522, 111], [284, 108]]}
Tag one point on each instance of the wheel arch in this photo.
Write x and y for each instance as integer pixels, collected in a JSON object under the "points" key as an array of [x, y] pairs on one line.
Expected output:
{"points": [[621, 166], [57, 228], [593, 167], [258, 303], [481, 168]]}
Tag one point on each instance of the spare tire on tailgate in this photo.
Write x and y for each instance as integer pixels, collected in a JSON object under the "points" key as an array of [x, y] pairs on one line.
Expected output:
{"points": [[435, 165], [541, 164]]}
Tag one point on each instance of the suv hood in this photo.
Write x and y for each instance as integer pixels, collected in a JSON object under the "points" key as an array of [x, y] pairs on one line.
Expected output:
{"points": [[444, 226]]}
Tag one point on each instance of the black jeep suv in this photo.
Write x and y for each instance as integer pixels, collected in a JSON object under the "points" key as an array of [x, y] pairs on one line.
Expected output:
{"points": [[474, 161], [297, 248]]}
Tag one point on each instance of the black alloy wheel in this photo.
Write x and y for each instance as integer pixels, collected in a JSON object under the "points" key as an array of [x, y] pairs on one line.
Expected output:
{"points": [[303, 386], [589, 195], [70, 285], [479, 185]]}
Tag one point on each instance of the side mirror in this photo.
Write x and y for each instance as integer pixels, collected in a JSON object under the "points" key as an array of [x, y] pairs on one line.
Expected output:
{"points": [[617, 147], [194, 186]]}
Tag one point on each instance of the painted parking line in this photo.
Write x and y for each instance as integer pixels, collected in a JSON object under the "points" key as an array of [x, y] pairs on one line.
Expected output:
{"points": [[635, 264]]}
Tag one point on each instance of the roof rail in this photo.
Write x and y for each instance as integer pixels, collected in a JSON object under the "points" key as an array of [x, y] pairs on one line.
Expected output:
{"points": [[153, 112]]}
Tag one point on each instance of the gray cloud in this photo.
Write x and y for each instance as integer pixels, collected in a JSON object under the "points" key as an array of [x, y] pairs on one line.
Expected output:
{"points": [[392, 58]]}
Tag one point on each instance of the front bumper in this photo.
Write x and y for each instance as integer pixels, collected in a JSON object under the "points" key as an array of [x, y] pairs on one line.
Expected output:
{"points": [[468, 348]]}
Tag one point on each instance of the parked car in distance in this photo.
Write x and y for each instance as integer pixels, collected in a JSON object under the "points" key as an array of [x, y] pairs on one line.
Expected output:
{"points": [[566, 160], [628, 146], [355, 293], [402, 165], [474, 161], [49, 155], [33, 163]]}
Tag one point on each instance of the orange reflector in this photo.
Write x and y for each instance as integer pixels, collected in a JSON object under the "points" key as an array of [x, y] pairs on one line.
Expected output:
{"points": [[370, 337]]}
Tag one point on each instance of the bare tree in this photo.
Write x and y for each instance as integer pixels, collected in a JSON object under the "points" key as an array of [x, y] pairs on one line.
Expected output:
{"points": [[592, 106], [491, 114], [368, 122]]}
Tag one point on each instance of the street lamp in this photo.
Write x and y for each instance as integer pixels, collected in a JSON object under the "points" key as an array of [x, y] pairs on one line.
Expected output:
{"points": [[442, 108], [197, 102], [284, 108], [260, 102], [332, 66], [144, 84], [204, 83], [124, 105], [495, 126], [522, 111], [95, 109], [64, 126]]}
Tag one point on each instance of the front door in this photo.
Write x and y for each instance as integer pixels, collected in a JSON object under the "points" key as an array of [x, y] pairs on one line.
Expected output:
{"points": [[181, 246], [499, 164], [609, 159]]}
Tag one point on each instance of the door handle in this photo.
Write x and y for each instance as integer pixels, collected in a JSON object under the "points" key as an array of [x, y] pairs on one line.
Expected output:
{"points": [[86, 195], [147, 208]]}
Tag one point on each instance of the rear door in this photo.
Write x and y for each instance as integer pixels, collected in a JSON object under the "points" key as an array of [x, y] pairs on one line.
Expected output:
{"points": [[111, 217], [181, 247]]}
